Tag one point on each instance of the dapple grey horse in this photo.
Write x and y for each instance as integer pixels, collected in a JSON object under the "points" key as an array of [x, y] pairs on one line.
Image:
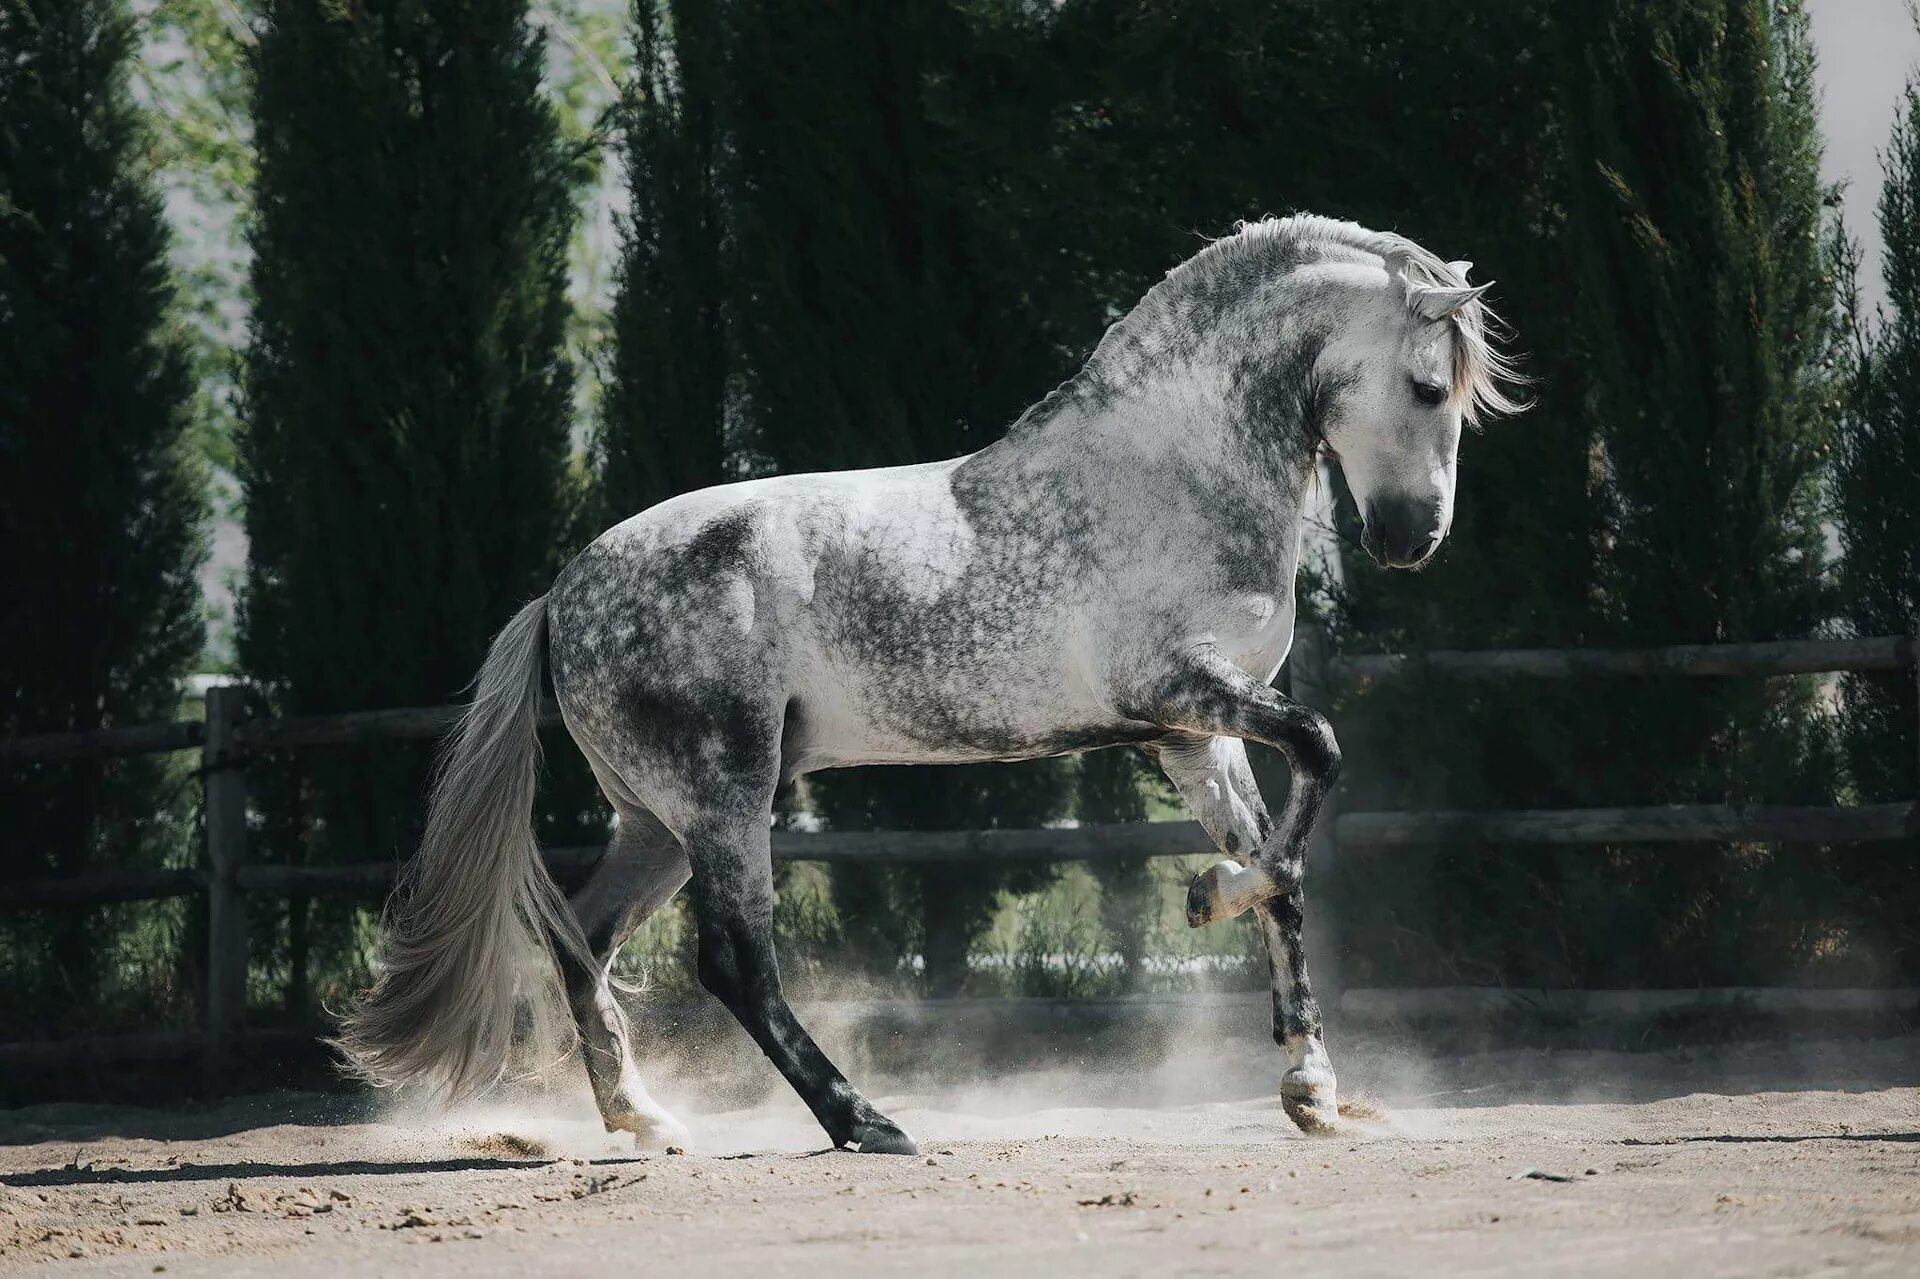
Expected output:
{"points": [[1118, 569]]}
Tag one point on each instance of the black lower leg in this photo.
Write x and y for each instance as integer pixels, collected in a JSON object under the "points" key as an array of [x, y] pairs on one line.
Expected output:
{"points": [[1308, 1088], [1296, 1013], [738, 965]]}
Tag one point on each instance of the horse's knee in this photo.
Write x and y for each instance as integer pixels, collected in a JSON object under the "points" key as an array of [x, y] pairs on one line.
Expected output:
{"points": [[1316, 750]]}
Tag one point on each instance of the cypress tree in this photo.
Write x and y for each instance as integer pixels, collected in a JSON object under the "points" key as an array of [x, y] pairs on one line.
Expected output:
{"points": [[100, 493], [1698, 251], [664, 413], [1436, 121], [1877, 496], [884, 314], [407, 395]]}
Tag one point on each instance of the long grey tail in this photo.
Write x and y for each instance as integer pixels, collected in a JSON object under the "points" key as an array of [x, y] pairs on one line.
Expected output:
{"points": [[474, 903]]}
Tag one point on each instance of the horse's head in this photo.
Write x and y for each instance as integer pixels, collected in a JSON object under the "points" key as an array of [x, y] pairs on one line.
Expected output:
{"points": [[1405, 367]]}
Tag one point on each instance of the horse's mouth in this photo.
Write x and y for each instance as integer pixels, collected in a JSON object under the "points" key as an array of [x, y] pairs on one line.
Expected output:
{"points": [[1414, 560]]}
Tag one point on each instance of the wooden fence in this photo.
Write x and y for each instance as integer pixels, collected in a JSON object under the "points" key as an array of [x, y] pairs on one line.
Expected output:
{"points": [[229, 738]]}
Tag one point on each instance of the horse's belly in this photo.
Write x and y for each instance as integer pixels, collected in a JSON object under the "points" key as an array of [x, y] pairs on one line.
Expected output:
{"points": [[892, 718], [852, 750]]}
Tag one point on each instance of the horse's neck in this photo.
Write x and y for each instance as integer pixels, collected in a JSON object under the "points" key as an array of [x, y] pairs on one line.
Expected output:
{"points": [[1186, 426]]}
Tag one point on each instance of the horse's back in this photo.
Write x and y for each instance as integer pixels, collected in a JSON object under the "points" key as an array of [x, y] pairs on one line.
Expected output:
{"points": [[872, 612]]}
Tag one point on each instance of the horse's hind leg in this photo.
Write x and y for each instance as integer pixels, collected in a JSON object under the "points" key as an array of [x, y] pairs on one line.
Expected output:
{"points": [[704, 757], [644, 867], [733, 898]]}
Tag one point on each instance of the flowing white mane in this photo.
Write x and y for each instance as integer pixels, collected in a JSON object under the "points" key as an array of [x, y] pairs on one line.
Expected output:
{"points": [[1482, 371]]}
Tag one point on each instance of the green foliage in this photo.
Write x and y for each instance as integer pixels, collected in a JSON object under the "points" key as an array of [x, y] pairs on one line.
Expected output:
{"points": [[193, 78], [587, 65], [1056, 943], [407, 399], [1707, 254], [1714, 402], [663, 429], [1697, 393], [100, 507], [1876, 497], [194, 75]]}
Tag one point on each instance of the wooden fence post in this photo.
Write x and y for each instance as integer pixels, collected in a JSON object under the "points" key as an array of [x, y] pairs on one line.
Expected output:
{"points": [[224, 772]]}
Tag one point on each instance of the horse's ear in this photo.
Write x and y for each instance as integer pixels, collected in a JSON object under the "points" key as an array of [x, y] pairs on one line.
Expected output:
{"points": [[1460, 268], [1433, 303]]}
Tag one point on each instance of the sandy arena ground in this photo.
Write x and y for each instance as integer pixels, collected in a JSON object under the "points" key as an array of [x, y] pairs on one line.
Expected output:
{"points": [[1781, 1158]]}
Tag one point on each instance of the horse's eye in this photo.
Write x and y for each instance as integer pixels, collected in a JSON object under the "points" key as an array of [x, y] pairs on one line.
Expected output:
{"points": [[1429, 392]]}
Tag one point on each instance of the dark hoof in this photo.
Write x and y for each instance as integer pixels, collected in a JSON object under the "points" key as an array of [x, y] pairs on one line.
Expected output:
{"points": [[879, 1136], [1199, 902]]}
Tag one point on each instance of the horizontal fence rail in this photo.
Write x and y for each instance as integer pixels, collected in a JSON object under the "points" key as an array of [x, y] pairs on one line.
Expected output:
{"points": [[1777, 657], [229, 737], [903, 847], [104, 743], [102, 888], [413, 723], [1673, 823]]}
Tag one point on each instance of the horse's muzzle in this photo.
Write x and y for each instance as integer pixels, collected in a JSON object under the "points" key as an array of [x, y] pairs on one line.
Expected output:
{"points": [[1403, 533]]}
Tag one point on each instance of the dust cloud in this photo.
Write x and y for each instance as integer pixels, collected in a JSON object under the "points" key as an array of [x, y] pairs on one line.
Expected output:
{"points": [[1195, 1071]]}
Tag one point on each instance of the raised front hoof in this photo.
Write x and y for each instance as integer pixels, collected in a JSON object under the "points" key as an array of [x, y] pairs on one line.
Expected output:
{"points": [[879, 1136], [1226, 889], [1309, 1100], [1204, 904]]}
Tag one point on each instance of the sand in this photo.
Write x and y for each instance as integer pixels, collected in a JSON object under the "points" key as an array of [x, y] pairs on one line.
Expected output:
{"points": [[1781, 1158]]}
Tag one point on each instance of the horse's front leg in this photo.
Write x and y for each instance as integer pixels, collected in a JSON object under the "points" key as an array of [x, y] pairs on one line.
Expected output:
{"points": [[1205, 694], [1214, 778], [1307, 1090]]}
